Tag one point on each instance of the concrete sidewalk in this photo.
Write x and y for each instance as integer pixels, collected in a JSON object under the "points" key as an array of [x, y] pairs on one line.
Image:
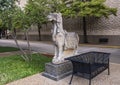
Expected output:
{"points": [[48, 48], [35, 45]]}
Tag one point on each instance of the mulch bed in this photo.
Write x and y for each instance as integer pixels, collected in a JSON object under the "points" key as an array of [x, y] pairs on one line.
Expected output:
{"points": [[17, 52], [8, 53], [48, 55]]}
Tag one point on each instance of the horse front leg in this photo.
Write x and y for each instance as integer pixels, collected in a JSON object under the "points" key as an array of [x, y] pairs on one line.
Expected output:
{"points": [[61, 42], [60, 52], [55, 54]]}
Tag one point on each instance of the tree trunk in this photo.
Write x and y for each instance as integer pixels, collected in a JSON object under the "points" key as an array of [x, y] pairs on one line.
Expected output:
{"points": [[25, 36], [14, 31], [28, 44], [0, 33], [85, 39], [23, 54], [39, 32]]}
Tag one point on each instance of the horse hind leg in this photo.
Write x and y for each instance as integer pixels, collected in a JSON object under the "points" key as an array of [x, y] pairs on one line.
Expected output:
{"points": [[76, 44], [75, 50]]}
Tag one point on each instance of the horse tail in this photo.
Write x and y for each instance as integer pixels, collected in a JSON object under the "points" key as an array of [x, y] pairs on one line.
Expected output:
{"points": [[77, 37]]}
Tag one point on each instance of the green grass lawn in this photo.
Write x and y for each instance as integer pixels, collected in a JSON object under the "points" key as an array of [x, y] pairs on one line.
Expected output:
{"points": [[7, 49], [14, 67]]}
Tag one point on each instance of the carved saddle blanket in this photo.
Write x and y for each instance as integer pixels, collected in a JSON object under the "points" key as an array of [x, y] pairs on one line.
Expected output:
{"points": [[71, 40]]}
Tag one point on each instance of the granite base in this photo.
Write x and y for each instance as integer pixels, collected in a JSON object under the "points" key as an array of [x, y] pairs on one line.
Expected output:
{"points": [[58, 71]]}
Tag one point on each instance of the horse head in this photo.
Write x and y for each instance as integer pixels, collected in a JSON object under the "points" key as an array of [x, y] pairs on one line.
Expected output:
{"points": [[55, 17]]}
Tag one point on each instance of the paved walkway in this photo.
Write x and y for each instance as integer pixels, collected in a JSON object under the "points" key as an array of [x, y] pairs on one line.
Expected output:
{"points": [[43, 47], [35, 46], [48, 48]]}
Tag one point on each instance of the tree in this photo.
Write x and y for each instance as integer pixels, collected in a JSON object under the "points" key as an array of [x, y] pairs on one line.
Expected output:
{"points": [[82, 8], [90, 8], [37, 10], [21, 21], [14, 18], [5, 6], [0, 28]]}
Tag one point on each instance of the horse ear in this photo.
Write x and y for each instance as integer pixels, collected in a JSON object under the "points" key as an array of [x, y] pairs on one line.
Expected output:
{"points": [[51, 13]]}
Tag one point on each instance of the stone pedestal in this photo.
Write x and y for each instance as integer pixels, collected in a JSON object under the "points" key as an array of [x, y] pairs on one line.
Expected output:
{"points": [[58, 71]]}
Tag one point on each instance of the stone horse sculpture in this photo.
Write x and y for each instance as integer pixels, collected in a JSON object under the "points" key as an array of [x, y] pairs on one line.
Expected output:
{"points": [[66, 43]]}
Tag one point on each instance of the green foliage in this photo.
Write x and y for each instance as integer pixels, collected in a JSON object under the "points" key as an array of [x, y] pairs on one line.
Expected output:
{"points": [[37, 11], [95, 8], [6, 8], [56, 5], [7, 4], [13, 67], [12, 16], [20, 20], [0, 22]]}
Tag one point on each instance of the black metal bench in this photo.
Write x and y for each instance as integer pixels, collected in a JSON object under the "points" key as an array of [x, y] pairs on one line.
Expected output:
{"points": [[90, 64]]}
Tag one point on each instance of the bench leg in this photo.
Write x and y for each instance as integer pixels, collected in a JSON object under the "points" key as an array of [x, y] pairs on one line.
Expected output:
{"points": [[89, 81], [108, 68], [71, 80], [108, 71]]}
